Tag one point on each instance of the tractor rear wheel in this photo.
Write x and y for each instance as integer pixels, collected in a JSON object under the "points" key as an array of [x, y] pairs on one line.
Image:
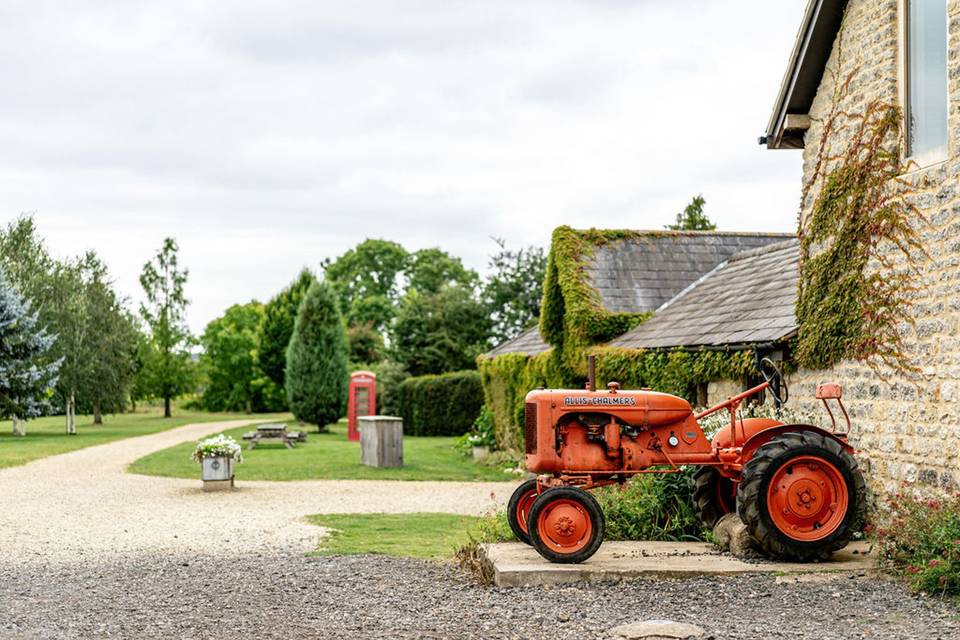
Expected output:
{"points": [[566, 525], [519, 508], [713, 495], [802, 496]]}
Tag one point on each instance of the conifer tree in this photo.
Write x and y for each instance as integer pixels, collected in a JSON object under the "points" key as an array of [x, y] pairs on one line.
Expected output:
{"points": [[316, 372]]}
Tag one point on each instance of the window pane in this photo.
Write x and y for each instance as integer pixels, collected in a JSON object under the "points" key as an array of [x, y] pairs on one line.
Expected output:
{"points": [[927, 73]]}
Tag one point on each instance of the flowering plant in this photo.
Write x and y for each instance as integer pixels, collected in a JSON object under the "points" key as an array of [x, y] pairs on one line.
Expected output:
{"points": [[216, 447]]}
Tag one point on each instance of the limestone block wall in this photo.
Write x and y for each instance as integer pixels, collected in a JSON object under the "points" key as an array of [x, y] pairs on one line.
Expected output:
{"points": [[905, 429]]}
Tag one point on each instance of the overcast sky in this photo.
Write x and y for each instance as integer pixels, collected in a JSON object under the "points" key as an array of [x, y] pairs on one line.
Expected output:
{"points": [[265, 136]]}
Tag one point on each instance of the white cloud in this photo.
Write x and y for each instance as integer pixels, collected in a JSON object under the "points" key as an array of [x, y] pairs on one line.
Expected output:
{"points": [[267, 136]]}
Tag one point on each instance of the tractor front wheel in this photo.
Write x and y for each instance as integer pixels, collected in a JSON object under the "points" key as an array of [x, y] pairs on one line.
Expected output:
{"points": [[518, 509], [566, 525], [802, 496], [713, 495]]}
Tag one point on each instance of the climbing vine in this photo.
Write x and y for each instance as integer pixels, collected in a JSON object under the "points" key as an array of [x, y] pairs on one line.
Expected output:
{"points": [[572, 314], [858, 244]]}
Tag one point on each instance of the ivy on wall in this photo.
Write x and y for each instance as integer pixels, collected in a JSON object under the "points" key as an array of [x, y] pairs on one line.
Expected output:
{"points": [[572, 314], [857, 264]]}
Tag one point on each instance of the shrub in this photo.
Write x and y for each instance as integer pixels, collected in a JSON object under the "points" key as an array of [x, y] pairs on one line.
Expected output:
{"points": [[652, 507], [316, 373], [390, 375], [919, 540], [440, 405], [480, 434]]}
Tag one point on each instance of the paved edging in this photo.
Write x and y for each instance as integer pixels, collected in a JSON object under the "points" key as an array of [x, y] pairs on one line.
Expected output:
{"points": [[515, 564]]}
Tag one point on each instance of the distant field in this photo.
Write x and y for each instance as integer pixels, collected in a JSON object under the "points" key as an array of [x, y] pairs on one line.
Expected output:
{"points": [[46, 436], [328, 456]]}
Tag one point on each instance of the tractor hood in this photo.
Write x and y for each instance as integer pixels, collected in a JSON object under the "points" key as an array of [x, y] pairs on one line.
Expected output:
{"points": [[643, 408]]}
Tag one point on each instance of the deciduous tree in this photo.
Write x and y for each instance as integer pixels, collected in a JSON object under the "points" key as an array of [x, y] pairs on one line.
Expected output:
{"points": [[167, 364], [229, 360], [514, 289], [692, 218], [279, 315]]}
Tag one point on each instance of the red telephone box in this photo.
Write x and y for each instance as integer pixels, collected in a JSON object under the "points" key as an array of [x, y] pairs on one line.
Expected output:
{"points": [[362, 400]]}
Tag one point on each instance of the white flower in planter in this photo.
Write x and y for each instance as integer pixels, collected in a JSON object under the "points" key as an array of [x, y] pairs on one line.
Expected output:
{"points": [[219, 446]]}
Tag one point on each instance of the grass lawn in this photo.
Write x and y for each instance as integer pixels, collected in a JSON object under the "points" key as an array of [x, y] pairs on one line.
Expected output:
{"points": [[46, 437], [328, 456], [412, 535]]}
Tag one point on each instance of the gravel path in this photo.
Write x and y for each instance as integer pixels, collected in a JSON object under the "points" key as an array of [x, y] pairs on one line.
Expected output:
{"points": [[84, 505], [360, 597]]}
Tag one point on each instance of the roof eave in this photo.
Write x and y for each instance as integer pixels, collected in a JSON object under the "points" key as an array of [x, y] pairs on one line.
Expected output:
{"points": [[811, 50]]}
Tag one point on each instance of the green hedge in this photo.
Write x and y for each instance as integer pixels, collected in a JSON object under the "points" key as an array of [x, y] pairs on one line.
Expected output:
{"points": [[440, 405]]}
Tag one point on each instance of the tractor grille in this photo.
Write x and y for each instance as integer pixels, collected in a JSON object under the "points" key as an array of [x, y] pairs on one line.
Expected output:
{"points": [[530, 426]]}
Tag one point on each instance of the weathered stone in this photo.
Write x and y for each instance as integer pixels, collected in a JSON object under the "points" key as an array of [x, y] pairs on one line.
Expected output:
{"points": [[731, 535], [657, 630]]}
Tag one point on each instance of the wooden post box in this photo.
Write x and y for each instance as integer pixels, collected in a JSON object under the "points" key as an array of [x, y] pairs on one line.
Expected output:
{"points": [[381, 441]]}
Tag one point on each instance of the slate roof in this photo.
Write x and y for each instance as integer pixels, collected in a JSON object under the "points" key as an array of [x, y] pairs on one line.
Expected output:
{"points": [[529, 342], [746, 300], [641, 273]]}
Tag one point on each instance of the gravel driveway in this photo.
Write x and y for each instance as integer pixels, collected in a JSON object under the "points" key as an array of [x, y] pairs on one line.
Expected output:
{"points": [[84, 505], [292, 596]]}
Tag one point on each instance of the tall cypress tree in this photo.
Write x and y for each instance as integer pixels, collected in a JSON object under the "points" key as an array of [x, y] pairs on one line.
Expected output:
{"points": [[278, 317], [316, 373], [27, 375]]}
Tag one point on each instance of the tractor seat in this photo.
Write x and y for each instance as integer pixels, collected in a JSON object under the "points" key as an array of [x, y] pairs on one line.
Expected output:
{"points": [[829, 391]]}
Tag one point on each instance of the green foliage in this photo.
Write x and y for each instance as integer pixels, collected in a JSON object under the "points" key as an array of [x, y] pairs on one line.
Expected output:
{"points": [[853, 296], [366, 279], [919, 540], [234, 381], [430, 270], [572, 315], [435, 405], [481, 434], [506, 381], [167, 370], [27, 375], [652, 507], [514, 289], [279, 315], [692, 218], [677, 372], [390, 375], [95, 337], [365, 343], [445, 331], [316, 375]]}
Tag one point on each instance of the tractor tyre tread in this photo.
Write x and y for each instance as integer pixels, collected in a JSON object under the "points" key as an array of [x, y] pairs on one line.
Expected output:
{"points": [[705, 480], [512, 517], [751, 496]]}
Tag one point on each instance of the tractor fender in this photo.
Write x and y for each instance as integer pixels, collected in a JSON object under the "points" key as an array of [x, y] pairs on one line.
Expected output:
{"points": [[760, 438]]}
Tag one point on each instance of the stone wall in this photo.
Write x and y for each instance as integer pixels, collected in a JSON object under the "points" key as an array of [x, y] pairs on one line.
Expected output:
{"points": [[906, 430]]}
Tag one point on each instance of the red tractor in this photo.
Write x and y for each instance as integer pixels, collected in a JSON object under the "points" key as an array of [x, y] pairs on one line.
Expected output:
{"points": [[797, 487]]}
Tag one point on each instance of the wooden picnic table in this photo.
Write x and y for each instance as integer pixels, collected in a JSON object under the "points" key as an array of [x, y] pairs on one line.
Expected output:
{"points": [[274, 432]]}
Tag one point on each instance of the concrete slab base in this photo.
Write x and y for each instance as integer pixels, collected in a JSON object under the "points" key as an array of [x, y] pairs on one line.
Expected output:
{"points": [[516, 564]]}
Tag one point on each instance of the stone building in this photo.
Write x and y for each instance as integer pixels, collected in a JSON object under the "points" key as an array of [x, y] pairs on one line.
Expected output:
{"points": [[848, 56]]}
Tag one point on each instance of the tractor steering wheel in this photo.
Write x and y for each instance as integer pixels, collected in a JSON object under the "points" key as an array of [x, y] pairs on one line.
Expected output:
{"points": [[774, 377]]}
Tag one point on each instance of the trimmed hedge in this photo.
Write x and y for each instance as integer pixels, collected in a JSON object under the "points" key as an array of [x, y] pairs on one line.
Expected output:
{"points": [[440, 405]]}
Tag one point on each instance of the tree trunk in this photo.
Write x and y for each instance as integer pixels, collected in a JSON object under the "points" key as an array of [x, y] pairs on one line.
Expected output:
{"points": [[97, 416], [166, 407], [19, 426], [72, 415]]}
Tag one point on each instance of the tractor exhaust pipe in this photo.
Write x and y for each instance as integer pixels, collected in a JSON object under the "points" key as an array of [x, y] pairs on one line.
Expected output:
{"points": [[591, 373]]}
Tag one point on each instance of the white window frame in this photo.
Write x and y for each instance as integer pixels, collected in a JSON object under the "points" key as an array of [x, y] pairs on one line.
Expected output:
{"points": [[941, 153]]}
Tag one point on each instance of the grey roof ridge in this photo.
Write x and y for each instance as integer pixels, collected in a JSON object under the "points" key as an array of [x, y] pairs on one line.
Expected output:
{"points": [[697, 232], [759, 251], [692, 285]]}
